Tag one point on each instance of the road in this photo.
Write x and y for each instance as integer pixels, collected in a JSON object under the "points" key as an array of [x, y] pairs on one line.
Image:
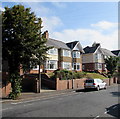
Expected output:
{"points": [[95, 104]]}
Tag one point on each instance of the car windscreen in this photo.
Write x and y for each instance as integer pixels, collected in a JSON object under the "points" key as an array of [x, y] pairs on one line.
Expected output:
{"points": [[89, 81]]}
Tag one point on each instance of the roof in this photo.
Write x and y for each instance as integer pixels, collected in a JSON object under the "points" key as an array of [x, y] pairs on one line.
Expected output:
{"points": [[90, 49], [57, 44], [116, 52], [107, 52], [71, 45]]}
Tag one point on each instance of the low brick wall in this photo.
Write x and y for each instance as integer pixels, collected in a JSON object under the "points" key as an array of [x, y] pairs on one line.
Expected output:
{"points": [[69, 84], [78, 83], [5, 90]]}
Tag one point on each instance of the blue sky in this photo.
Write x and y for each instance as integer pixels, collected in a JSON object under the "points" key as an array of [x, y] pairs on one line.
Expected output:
{"points": [[87, 22]]}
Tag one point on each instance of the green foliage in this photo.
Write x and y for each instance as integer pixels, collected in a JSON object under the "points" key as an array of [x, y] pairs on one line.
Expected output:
{"points": [[22, 41], [16, 86], [111, 65]]}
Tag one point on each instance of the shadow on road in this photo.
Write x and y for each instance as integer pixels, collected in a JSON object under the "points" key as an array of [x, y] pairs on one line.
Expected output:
{"points": [[85, 90], [117, 94], [114, 110]]}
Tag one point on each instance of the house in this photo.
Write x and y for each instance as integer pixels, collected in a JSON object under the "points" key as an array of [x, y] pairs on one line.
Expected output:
{"points": [[59, 57], [116, 52], [76, 51], [93, 58]]}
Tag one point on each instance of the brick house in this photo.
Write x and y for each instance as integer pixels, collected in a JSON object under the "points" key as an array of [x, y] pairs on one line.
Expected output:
{"points": [[76, 51], [59, 57], [93, 58]]}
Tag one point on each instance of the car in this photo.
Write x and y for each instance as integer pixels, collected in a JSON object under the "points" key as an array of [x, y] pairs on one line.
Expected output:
{"points": [[95, 84]]}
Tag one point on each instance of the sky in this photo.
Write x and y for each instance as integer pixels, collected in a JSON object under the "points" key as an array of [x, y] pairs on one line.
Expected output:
{"points": [[87, 22]]}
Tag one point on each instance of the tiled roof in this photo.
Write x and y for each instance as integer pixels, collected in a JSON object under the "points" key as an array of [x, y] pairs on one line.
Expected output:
{"points": [[107, 52], [116, 52], [57, 44], [90, 49], [71, 45]]}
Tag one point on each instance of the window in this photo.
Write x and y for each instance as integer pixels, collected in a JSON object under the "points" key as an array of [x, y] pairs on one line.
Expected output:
{"points": [[53, 51], [66, 53], [51, 64], [99, 56], [66, 65], [76, 54], [76, 66], [99, 66], [36, 67]]}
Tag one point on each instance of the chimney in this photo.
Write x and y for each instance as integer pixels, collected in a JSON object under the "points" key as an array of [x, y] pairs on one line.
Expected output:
{"points": [[46, 34]]}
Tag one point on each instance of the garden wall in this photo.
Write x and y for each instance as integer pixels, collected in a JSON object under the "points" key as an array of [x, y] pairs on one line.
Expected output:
{"points": [[78, 83]]}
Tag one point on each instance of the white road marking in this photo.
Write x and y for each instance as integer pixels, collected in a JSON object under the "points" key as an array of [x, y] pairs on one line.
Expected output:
{"points": [[97, 117], [6, 109], [28, 104]]}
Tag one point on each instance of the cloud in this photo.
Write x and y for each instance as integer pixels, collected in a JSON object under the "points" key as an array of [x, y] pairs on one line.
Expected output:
{"points": [[59, 4], [88, 36], [105, 25], [51, 23], [2, 9]]}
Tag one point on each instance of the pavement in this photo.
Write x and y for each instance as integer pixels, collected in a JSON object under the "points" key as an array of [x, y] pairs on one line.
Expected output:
{"points": [[43, 94]]}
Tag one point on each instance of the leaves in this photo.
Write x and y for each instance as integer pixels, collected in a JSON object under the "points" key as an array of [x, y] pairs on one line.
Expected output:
{"points": [[111, 65], [22, 39]]}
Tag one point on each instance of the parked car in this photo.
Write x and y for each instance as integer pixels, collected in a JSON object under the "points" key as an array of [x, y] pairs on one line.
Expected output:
{"points": [[95, 84]]}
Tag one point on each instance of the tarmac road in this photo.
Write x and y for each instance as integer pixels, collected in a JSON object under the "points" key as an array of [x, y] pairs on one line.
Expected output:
{"points": [[95, 104]]}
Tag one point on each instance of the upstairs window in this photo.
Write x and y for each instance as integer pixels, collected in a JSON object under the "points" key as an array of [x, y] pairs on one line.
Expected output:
{"points": [[53, 51], [66, 53], [76, 54]]}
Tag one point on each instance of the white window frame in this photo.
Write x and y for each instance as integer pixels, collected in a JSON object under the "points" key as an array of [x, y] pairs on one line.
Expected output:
{"points": [[76, 54], [98, 66], [99, 56], [53, 51], [51, 62], [76, 64], [66, 53], [66, 65]]}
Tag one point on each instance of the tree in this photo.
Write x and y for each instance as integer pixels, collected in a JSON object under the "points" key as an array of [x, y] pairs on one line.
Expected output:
{"points": [[22, 43], [111, 65]]}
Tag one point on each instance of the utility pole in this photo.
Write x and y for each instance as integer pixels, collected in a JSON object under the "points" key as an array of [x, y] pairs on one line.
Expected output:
{"points": [[39, 73]]}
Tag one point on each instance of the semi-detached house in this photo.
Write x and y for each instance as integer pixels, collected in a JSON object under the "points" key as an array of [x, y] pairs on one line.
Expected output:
{"points": [[93, 58], [62, 55]]}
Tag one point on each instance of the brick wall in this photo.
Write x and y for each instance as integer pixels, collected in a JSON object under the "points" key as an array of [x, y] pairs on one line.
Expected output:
{"points": [[5, 90], [78, 83], [68, 84], [89, 66]]}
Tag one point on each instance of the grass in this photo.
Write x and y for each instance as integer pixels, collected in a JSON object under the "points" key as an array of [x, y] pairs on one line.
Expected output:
{"points": [[77, 75], [95, 75]]}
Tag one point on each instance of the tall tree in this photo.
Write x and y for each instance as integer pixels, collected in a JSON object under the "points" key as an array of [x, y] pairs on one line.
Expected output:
{"points": [[22, 42], [111, 65]]}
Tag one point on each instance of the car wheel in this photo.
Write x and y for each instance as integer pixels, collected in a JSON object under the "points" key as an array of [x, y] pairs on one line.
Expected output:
{"points": [[98, 88], [105, 87]]}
